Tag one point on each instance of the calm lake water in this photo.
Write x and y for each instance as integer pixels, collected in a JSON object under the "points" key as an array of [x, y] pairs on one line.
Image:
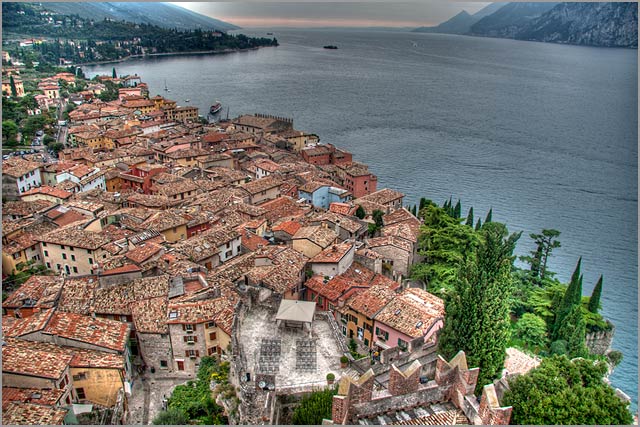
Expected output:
{"points": [[544, 134]]}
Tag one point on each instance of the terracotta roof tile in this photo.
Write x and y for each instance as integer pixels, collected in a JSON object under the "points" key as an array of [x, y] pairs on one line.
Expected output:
{"points": [[149, 315], [412, 312], [99, 332], [37, 291], [33, 414], [38, 396], [77, 294], [322, 236], [29, 360]]}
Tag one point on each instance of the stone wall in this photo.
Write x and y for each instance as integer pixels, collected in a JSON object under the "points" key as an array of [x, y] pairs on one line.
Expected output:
{"points": [[154, 348], [600, 342]]}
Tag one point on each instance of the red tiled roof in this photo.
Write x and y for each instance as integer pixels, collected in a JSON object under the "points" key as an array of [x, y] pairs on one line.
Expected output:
{"points": [[332, 254], [33, 362], [30, 413], [47, 190], [129, 268], [99, 332], [289, 227], [48, 397]]}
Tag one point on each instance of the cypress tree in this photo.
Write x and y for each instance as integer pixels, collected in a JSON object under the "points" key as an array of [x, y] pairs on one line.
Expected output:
{"points": [[113, 73], [470, 217], [572, 297], [573, 330], [594, 301], [423, 203], [457, 210], [360, 212], [12, 83], [489, 215], [478, 310], [478, 224], [414, 211]]}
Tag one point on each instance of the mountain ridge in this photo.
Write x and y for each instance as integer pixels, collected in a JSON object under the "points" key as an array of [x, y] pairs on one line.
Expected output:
{"points": [[161, 14]]}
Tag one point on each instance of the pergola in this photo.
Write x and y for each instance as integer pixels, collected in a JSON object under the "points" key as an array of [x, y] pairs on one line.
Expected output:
{"points": [[296, 314]]}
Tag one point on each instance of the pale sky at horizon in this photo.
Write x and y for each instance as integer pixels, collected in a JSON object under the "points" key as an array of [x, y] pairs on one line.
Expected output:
{"points": [[333, 14]]}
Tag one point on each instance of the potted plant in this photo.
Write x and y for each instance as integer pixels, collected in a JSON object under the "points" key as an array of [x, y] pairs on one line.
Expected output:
{"points": [[330, 378], [344, 360]]}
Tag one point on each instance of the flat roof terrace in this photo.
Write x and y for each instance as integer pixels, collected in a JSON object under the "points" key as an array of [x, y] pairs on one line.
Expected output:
{"points": [[296, 358]]}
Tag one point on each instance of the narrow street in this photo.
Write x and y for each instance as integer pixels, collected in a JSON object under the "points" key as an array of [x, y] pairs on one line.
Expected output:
{"points": [[147, 396]]}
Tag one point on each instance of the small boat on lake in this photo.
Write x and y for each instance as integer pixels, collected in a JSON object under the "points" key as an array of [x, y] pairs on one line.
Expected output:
{"points": [[216, 107], [330, 46]]}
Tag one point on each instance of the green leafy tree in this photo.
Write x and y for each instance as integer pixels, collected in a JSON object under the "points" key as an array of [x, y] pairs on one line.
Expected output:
{"points": [[314, 408], [545, 242], [594, 301], [171, 417], [532, 330], [478, 309], [9, 132], [360, 212], [377, 217], [470, 217], [565, 392], [444, 243]]}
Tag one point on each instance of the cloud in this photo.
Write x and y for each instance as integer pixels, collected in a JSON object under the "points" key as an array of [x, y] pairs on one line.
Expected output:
{"points": [[324, 13]]}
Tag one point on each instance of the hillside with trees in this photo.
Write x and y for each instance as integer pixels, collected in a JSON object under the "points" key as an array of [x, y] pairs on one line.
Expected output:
{"points": [[73, 39]]}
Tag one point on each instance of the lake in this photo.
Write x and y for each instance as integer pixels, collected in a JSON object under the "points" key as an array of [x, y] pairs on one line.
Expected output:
{"points": [[544, 134]]}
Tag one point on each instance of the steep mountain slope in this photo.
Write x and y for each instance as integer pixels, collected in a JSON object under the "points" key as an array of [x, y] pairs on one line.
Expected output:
{"points": [[162, 14], [509, 19], [594, 24], [462, 22]]}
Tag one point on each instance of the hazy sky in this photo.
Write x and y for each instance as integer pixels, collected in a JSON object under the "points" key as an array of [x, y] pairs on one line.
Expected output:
{"points": [[333, 14]]}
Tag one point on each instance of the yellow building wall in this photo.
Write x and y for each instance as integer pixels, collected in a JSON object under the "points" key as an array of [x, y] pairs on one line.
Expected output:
{"points": [[100, 385], [222, 339], [352, 328], [9, 264], [174, 236]]}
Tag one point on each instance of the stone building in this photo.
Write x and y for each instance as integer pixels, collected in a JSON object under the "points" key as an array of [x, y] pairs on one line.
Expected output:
{"points": [[446, 399]]}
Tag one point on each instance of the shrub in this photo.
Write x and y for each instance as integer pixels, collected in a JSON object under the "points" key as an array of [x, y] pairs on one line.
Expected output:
{"points": [[331, 376], [344, 359]]}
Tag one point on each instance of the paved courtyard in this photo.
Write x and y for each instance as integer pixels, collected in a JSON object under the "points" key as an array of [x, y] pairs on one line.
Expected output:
{"points": [[292, 354]]}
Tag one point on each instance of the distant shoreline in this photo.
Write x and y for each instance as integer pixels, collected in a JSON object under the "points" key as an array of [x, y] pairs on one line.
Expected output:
{"points": [[195, 52]]}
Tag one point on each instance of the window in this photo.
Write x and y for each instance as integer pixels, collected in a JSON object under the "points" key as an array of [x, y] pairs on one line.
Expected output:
{"points": [[190, 339], [366, 342], [383, 335], [49, 265], [75, 269], [71, 248], [89, 251], [46, 253], [211, 325], [64, 256], [212, 336], [80, 376], [62, 247], [16, 255], [58, 266], [80, 392], [90, 260], [189, 328], [164, 364], [344, 330], [402, 344], [44, 244], [73, 257]]}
